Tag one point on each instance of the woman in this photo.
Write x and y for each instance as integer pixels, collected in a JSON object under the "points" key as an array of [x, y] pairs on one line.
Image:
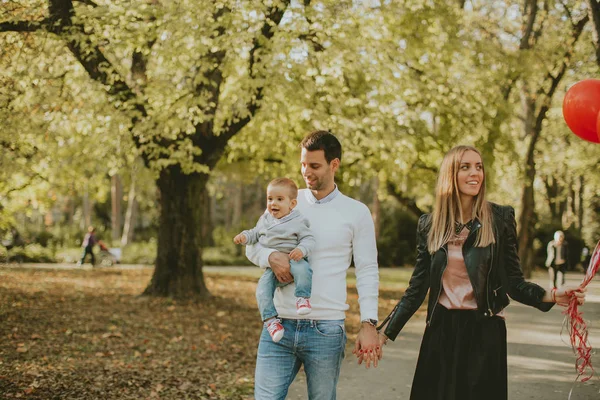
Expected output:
{"points": [[467, 260]]}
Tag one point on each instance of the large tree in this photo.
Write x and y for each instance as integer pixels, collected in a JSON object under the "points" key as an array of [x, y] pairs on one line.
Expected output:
{"points": [[188, 76]]}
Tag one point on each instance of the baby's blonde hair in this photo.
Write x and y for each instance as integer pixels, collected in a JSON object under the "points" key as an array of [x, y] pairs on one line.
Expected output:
{"points": [[288, 184]]}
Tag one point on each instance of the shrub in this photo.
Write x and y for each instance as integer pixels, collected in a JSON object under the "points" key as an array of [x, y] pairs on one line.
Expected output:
{"points": [[31, 253], [397, 237], [139, 253]]}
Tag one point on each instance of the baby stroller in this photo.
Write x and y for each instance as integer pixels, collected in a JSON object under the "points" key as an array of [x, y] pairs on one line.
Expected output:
{"points": [[108, 256]]}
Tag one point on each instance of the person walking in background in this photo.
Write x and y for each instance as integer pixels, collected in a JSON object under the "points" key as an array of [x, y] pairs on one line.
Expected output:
{"points": [[467, 260], [89, 240], [557, 260]]}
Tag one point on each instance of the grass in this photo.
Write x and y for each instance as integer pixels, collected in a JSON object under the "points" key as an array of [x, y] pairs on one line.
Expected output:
{"points": [[87, 334]]}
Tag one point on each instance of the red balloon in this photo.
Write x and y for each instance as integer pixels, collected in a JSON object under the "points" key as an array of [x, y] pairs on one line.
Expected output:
{"points": [[598, 126], [581, 107]]}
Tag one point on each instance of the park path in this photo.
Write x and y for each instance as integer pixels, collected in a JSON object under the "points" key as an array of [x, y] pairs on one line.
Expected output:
{"points": [[540, 362]]}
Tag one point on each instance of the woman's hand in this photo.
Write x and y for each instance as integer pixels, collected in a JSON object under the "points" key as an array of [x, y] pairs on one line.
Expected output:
{"points": [[366, 348], [563, 296]]}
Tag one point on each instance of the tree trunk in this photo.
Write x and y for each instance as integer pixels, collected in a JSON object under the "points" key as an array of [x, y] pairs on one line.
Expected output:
{"points": [[178, 269], [595, 17], [207, 222], [533, 128], [116, 194], [130, 214], [554, 194], [86, 206], [527, 217], [580, 192], [237, 198], [376, 207], [526, 221]]}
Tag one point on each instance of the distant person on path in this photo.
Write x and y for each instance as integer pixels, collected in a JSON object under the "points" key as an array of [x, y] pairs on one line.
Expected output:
{"points": [[89, 240], [557, 260], [467, 260], [283, 228], [586, 257], [344, 231]]}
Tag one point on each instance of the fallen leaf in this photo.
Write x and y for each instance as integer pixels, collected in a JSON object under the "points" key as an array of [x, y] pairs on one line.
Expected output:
{"points": [[112, 335]]}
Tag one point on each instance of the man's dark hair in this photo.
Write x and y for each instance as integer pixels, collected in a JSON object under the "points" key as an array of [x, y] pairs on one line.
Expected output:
{"points": [[323, 140]]}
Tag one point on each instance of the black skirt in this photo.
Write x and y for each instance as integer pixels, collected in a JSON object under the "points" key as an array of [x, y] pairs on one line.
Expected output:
{"points": [[462, 357]]}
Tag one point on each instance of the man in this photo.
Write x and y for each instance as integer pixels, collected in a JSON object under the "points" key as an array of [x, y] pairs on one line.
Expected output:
{"points": [[343, 230]]}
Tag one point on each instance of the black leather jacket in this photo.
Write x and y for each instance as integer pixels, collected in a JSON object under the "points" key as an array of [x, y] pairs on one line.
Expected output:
{"points": [[494, 272]]}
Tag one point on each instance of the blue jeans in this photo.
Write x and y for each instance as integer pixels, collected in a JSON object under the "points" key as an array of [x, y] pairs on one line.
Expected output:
{"points": [[267, 284], [319, 345]]}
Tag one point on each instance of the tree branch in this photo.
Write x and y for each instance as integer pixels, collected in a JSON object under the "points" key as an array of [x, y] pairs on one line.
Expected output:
{"points": [[24, 26], [531, 9], [23, 186], [88, 3], [89, 55], [595, 17], [311, 36], [407, 202], [272, 20]]}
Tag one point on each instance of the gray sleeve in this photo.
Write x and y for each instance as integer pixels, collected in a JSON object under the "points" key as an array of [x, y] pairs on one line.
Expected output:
{"points": [[253, 234], [306, 240]]}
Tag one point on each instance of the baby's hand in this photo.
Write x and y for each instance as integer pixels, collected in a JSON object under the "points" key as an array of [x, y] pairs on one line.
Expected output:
{"points": [[296, 254], [239, 239]]}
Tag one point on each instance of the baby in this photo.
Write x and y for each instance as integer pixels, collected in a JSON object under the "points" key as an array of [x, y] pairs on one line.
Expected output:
{"points": [[283, 229]]}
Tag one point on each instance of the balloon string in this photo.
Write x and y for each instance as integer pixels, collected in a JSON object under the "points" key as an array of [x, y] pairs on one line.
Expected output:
{"points": [[577, 327]]}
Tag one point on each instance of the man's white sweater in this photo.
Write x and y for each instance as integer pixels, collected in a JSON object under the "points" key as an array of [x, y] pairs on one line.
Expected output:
{"points": [[343, 230]]}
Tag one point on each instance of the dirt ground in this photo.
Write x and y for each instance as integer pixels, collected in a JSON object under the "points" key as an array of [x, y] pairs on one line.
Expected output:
{"points": [[86, 334]]}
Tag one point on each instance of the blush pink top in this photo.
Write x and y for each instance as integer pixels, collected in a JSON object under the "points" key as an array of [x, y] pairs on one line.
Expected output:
{"points": [[457, 291]]}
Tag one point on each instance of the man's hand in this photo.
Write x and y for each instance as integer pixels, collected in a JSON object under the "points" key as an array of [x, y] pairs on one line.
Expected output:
{"points": [[240, 239], [296, 254], [367, 347], [280, 265]]}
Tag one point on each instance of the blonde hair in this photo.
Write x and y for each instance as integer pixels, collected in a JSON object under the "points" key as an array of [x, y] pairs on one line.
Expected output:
{"points": [[448, 210]]}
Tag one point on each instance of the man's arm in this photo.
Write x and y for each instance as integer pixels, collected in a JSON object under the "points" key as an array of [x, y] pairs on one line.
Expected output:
{"points": [[265, 257], [364, 250]]}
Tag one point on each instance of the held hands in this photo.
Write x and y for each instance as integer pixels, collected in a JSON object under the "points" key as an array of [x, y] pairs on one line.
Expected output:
{"points": [[296, 254], [368, 347], [562, 296], [240, 239]]}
